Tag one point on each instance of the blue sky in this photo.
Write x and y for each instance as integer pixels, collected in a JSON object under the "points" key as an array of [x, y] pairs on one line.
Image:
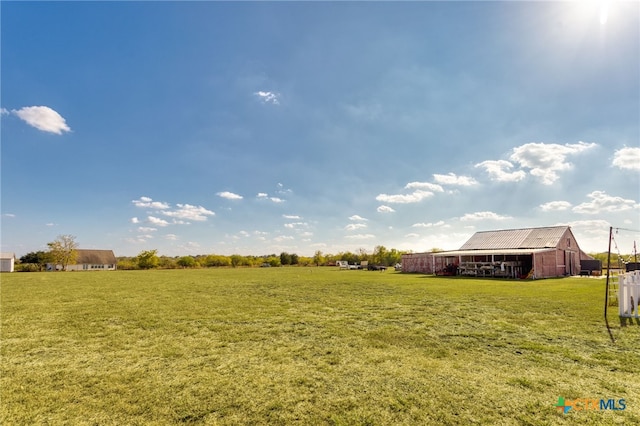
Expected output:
{"points": [[256, 128]]}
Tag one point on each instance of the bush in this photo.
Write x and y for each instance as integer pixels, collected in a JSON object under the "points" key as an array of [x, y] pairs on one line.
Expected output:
{"points": [[27, 267]]}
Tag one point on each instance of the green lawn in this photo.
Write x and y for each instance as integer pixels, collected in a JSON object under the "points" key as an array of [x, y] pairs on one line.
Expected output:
{"points": [[309, 346]]}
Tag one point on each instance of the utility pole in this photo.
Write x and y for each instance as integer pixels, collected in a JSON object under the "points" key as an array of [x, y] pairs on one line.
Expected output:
{"points": [[606, 294]]}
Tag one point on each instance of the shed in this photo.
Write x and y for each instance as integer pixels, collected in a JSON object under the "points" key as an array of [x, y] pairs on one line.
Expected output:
{"points": [[7, 262], [516, 253]]}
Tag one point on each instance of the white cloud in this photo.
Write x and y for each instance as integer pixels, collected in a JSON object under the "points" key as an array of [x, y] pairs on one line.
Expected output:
{"points": [[483, 216], [360, 236], [134, 220], [268, 97], [428, 225], [190, 246], [291, 216], [414, 197], [453, 179], [355, 226], [189, 212], [296, 225], [385, 209], [500, 170], [592, 235], [264, 196], [424, 185], [627, 159], [146, 202], [412, 235], [4, 111], [602, 202], [138, 239], [282, 238], [157, 221], [11, 215], [356, 217], [545, 160], [229, 195], [282, 190], [261, 235], [146, 229], [43, 118], [597, 223], [171, 237], [555, 206]]}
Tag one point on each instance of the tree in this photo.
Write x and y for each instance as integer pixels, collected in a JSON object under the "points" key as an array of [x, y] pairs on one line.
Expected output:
{"points": [[393, 257], [217, 260], [379, 255], [236, 260], [362, 254], [148, 259], [285, 258], [186, 262], [166, 262], [318, 258], [273, 260], [62, 251], [39, 258]]}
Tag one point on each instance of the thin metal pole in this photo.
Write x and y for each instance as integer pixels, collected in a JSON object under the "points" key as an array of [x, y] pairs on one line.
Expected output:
{"points": [[606, 294]]}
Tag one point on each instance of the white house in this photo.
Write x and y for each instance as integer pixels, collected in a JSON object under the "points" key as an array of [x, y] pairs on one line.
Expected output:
{"points": [[90, 260], [7, 262]]}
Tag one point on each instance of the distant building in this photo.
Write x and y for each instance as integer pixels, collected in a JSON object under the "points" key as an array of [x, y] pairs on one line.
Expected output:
{"points": [[91, 260], [7, 262], [516, 253]]}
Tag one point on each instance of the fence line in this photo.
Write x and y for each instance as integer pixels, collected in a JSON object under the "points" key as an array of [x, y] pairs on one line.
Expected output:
{"points": [[629, 294]]}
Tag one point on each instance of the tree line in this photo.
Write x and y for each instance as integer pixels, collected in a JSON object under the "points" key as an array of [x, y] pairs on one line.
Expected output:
{"points": [[149, 259], [63, 252]]}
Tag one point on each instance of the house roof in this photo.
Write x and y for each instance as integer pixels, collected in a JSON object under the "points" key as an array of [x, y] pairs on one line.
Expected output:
{"points": [[7, 255], [527, 238], [96, 257]]}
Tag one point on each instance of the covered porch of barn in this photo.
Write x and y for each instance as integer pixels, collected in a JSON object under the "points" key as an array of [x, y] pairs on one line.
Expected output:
{"points": [[505, 263]]}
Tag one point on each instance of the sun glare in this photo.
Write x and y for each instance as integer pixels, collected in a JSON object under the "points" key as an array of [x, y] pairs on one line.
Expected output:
{"points": [[604, 12], [585, 11]]}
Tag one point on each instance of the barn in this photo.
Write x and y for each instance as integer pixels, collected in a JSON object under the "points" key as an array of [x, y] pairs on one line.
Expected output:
{"points": [[91, 260], [7, 262], [512, 253]]}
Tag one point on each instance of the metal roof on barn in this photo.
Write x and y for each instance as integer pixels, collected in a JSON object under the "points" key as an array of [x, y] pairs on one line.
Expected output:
{"points": [[528, 238]]}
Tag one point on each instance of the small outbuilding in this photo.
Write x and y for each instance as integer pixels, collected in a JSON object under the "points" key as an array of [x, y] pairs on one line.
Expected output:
{"points": [[512, 253], [7, 262]]}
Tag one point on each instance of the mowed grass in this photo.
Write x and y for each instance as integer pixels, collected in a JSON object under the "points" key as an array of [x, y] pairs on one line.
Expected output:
{"points": [[309, 346]]}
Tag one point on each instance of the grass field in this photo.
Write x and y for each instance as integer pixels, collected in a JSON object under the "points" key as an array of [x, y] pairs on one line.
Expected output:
{"points": [[309, 346]]}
